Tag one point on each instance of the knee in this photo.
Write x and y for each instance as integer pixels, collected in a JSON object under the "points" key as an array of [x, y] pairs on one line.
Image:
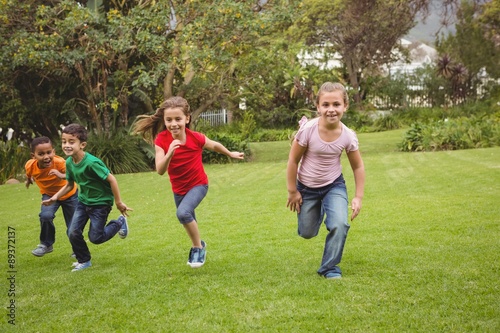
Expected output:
{"points": [[184, 216], [46, 217], [340, 227], [96, 238], [307, 234], [74, 234]]}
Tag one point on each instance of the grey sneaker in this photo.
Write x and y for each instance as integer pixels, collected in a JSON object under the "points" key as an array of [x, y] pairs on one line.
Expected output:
{"points": [[333, 275], [41, 250], [124, 229], [79, 266], [197, 256]]}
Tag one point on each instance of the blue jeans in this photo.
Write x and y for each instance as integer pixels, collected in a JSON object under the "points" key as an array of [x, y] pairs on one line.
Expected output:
{"points": [[48, 213], [99, 231], [187, 203], [329, 200]]}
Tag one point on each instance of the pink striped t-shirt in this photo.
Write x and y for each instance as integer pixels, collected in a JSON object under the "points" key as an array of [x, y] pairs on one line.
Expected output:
{"points": [[320, 165]]}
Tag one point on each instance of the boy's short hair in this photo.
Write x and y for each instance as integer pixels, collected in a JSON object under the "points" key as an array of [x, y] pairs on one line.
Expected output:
{"points": [[76, 130], [39, 141]]}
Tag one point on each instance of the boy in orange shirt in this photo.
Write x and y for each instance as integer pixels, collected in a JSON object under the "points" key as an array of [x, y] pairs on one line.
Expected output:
{"points": [[49, 173]]}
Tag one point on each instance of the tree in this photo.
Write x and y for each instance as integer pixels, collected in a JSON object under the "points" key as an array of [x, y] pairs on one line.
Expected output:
{"points": [[364, 32], [104, 67], [212, 42], [476, 42]]}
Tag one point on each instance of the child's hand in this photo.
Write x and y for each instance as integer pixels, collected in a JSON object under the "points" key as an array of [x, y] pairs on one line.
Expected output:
{"points": [[123, 208], [57, 173], [174, 145], [294, 201], [48, 202], [237, 155], [356, 207], [29, 181]]}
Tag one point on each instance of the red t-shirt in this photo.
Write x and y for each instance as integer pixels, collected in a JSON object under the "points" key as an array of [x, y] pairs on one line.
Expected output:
{"points": [[186, 168]]}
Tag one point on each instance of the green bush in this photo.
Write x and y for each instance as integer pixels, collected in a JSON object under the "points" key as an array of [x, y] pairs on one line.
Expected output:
{"points": [[13, 157], [266, 135], [386, 123], [359, 121], [120, 152], [452, 134]]}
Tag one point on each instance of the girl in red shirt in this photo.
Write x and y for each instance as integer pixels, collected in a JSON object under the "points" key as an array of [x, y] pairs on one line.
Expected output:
{"points": [[179, 153]]}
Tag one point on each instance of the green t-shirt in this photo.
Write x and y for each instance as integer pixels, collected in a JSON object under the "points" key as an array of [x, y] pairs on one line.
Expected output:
{"points": [[90, 174]]}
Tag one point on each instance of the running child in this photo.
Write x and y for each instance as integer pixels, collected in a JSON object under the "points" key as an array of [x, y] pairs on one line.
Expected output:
{"points": [[48, 171], [179, 153], [316, 187], [98, 190]]}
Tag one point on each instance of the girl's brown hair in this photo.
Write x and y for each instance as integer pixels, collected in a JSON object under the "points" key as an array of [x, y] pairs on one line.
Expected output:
{"points": [[331, 87], [150, 125]]}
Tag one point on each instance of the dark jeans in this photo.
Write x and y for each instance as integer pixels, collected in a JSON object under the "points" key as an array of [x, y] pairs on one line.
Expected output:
{"points": [[48, 213], [99, 231], [329, 201]]}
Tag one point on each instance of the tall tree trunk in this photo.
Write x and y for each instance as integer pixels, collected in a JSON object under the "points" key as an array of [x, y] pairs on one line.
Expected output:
{"points": [[90, 97], [352, 71]]}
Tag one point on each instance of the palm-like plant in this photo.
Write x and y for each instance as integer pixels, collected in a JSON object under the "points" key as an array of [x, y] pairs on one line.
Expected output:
{"points": [[458, 76]]}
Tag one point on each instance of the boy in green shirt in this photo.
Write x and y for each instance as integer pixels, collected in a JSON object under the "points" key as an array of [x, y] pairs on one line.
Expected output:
{"points": [[98, 189]]}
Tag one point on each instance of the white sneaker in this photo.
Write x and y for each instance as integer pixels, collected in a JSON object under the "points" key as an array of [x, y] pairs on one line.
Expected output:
{"points": [[80, 266]]}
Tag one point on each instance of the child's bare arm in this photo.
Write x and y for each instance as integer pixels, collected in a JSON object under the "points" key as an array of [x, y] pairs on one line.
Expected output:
{"points": [[358, 168], [122, 207], [294, 197], [162, 159], [219, 148], [65, 189], [29, 181]]}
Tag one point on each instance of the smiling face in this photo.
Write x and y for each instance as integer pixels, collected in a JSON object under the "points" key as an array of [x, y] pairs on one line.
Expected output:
{"points": [[331, 107], [44, 154], [176, 121], [72, 146]]}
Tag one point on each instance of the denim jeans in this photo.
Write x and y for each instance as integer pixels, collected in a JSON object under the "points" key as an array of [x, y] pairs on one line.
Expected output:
{"points": [[329, 200], [99, 231], [48, 213], [187, 203]]}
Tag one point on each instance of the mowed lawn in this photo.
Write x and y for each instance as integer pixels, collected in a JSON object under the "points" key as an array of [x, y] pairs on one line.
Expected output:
{"points": [[423, 256]]}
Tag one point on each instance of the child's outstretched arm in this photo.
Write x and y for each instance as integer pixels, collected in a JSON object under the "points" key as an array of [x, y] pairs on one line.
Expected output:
{"points": [[122, 207], [294, 198], [65, 189], [219, 148], [29, 181], [358, 168]]}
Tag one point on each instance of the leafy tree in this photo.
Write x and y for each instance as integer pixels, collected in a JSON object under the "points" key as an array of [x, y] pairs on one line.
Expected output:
{"points": [[476, 42], [221, 46], [363, 32], [103, 67]]}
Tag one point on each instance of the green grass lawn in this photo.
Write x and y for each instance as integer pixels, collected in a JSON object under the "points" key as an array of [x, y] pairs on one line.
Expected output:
{"points": [[423, 256]]}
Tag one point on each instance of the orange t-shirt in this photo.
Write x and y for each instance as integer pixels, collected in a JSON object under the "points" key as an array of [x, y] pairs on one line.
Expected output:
{"points": [[48, 184]]}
